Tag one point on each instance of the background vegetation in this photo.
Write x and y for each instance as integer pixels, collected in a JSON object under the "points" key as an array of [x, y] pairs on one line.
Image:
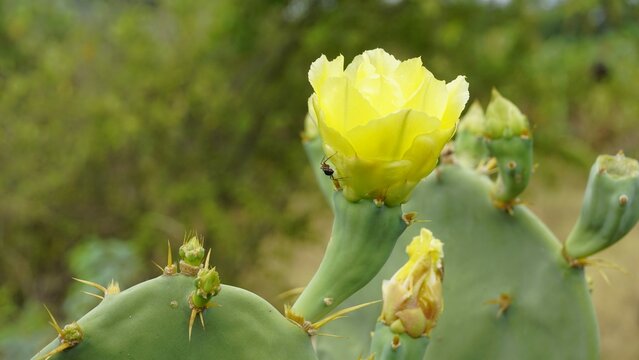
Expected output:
{"points": [[127, 123]]}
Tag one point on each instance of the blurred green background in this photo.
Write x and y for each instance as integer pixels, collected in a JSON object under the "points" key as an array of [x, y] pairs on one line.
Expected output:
{"points": [[127, 123]]}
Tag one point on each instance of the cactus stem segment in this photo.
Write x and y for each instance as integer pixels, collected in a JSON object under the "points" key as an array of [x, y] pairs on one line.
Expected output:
{"points": [[362, 238], [503, 301], [609, 209]]}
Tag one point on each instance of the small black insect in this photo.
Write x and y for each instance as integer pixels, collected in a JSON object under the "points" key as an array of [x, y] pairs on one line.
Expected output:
{"points": [[327, 169]]}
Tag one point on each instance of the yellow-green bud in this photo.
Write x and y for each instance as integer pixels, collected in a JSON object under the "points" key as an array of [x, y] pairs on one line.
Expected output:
{"points": [[504, 119], [208, 281], [473, 121], [508, 140], [192, 252], [469, 142]]}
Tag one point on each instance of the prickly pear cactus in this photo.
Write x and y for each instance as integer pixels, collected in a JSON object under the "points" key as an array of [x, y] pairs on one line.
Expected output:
{"points": [[185, 315], [511, 289], [508, 292]]}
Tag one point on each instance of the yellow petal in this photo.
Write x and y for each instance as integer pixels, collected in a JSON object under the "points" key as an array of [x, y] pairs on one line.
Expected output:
{"points": [[399, 192], [390, 137], [369, 179], [423, 154], [343, 107], [335, 145], [394, 296], [384, 62], [322, 69], [410, 75], [414, 321], [376, 84], [313, 109], [457, 98], [431, 97]]}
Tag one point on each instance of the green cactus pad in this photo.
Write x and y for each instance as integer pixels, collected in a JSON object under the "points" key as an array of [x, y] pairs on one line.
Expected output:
{"points": [[610, 209], [363, 237], [488, 253], [150, 321]]}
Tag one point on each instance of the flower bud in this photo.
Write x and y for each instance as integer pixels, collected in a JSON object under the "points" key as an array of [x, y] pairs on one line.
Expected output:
{"points": [[413, 296], [504, 119], [470, 147], [192, 253], [208, 281], [508, 139], [610, 208]]}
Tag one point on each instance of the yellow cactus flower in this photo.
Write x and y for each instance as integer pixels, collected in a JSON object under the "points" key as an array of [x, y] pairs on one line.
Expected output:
{"points": [[413, 296], [383, 121]]}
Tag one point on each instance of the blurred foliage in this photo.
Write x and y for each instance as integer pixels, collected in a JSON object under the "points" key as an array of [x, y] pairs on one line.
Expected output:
{"points": [[101, 260], [141, 120]]}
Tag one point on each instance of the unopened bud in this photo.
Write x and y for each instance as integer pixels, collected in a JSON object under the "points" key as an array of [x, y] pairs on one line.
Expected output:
{"points": [[504, 119], [508, 140], [192, 252], [470, 147], [413, 296]]}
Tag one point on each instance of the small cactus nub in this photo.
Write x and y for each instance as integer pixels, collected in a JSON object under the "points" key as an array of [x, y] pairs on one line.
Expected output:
{"points": [[207, 285], [192, 253], [70, 335]]}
